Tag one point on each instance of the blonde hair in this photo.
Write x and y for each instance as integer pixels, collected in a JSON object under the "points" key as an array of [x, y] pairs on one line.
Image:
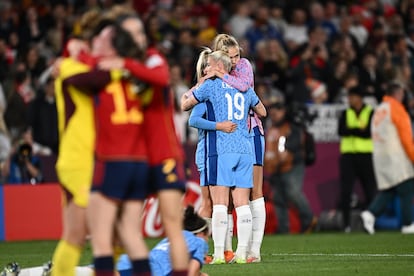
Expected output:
{"points": [[202, 62], [223, 57], [224, 41]]}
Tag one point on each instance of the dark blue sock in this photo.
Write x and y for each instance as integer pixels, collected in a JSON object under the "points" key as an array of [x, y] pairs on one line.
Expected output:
{"points": [[141, 267], [104, 265]]}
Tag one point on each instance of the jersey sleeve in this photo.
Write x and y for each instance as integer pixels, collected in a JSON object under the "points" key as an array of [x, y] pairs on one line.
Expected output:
{"points": [[197, 120], [90, 82], [154, 71], [201, 93], [241, 77], [254, 98]]}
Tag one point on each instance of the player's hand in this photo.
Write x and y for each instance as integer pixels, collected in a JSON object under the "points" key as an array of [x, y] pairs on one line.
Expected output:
{"points": [[55, 68], [109, 63], [226, 126]]}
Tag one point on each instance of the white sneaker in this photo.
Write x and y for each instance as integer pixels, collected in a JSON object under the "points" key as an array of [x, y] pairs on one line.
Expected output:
{"points": [[409, 229], [368, 221]]}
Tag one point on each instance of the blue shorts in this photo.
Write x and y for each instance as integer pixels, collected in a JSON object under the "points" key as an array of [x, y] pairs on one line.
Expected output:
{"points": [[169, 175], [203, 177], [258, 142], [121, 180], [230, 170]]}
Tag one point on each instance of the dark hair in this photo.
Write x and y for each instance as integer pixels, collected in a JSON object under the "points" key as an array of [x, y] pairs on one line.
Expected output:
{"points": [[122, 40], [193, 222], [393, 86], [124, 44]]}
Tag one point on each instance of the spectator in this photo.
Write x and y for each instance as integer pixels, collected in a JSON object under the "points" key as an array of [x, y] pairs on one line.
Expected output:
{"points": [[240, 20], [274, 65], [23, 167], [356, 152], [43, 119], [5, 144], [179, 87], [261, 29], [34, 62], [401, 55], [296, 32], [336, 81], [317, 17], [357, 28], [393, 157], [277, 19], [32, 30], [17, 104], [309, 70], [371, 78], [58, 33], [284, 164]]}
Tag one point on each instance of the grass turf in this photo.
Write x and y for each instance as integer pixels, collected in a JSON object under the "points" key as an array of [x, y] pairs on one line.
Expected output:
{"points": [[385, 253]]}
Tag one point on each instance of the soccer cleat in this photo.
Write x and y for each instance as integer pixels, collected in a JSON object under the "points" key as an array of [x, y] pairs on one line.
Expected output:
{"points": [[312, 225], [368, 221], [218, 261], [253, 259], [409, 229], [228, 255], [11, 269], [208, 259], [237, 260], [47, 269], [240, 261]]}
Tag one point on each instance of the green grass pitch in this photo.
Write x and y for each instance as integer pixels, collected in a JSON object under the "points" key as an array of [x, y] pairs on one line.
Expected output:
{"points": [[385, 253]]}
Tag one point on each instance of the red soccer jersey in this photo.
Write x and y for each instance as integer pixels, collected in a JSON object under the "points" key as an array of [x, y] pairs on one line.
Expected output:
{"points": [[119, 123], [118, 116], [160, 135]]}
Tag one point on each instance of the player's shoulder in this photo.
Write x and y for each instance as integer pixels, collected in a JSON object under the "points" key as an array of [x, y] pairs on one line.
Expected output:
{"points": [[155, 58]]}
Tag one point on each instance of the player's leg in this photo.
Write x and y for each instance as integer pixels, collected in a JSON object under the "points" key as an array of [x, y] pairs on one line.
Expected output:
{"points": [[171, 215], [257, 203], [243, 176], [67, 254], [129, 230], [220, 198], [168, 181], [206, 208], [244, 222], [101, 216]]}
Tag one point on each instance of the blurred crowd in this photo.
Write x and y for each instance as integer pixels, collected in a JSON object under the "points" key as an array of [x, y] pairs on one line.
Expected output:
{"points": [[305, 51]]}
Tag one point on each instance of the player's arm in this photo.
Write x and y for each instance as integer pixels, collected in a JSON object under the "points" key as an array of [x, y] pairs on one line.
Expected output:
{"points": [[188, 103], [260, 109], [241, 79], [93, 81], [194, 268], [197, 120], [154, 71]]}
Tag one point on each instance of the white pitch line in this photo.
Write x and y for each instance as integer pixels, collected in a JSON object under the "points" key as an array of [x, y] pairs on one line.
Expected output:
{"points": [[343, 255]]}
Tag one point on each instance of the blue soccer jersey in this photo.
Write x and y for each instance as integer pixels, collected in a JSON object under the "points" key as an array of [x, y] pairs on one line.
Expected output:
{"points": [[159, 256], [227, 104], [197, 120]]}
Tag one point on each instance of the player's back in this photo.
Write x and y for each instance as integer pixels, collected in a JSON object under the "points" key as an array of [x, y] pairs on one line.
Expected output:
{"points": [[119, 123], [75, 119], [228, 104]]}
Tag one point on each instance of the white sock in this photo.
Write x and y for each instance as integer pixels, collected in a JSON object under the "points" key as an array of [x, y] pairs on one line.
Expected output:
{"points": [[244, 230], [258, 210], [228, 246], [219, 229]]}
